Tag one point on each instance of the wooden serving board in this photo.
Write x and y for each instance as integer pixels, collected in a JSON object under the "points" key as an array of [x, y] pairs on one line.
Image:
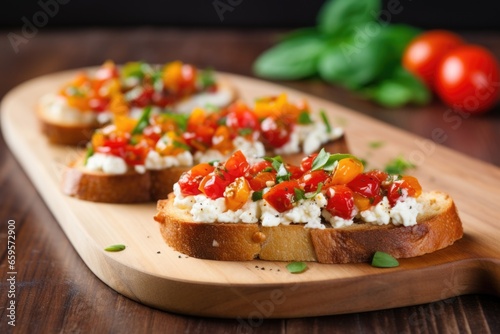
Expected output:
{"points": [[151, 273]]}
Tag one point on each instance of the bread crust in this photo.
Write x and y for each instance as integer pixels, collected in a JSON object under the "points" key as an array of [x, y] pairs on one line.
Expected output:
{"points": [[131, 187], [353, 244], [65, 134]]}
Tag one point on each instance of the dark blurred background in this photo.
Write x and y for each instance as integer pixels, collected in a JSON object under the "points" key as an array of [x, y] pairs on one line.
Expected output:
{"points": [[478, 14]]}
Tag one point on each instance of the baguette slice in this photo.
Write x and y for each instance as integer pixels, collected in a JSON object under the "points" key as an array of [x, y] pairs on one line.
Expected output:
{"points": [[438, 227], [78, 132], [134, 187], [131, 187]]}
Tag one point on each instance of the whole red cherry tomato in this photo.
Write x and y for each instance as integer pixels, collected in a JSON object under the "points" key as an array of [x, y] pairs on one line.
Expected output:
{"points": [[468, 79], [425, 52]]}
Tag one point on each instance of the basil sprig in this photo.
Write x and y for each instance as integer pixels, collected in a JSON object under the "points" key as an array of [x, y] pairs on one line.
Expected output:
{"points": [[343, 50], [301, 194], [327, 161]]}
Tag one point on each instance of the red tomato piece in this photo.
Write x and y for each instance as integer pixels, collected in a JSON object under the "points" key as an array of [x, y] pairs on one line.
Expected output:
{"points": [[189, 182], [237, 165], [367, 186], [240, 117], [276, 132], [281, 196], [340, 201], [214, 184], [261, 179], [306, 163], [310, 180], [259, 167]]}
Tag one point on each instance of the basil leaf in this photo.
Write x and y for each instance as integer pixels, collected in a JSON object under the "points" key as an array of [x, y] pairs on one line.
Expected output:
{"points": [[180, 120], [341, 17], [384, 260], [213, 162], [320, 160], [299, 194], [296, 267], [257, 195], [331, 163], [326, 121], [179, 144], [115, 248], [143, 121], [283, 174], [398, 37], [305, 118], [320, 186], [206, 78], [291, 59], [399, 89], [276, 162], [88, 154], [398, 165], [353, 64]]}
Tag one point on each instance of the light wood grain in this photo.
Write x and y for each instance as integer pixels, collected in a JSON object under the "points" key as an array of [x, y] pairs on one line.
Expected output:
{"points": [[150, 272]]}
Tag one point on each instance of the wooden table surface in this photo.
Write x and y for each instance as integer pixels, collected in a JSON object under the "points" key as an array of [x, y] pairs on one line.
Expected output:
{"points": [[54, 290]]}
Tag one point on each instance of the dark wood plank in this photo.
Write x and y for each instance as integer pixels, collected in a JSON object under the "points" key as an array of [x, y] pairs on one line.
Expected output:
{"points": [[55, 292]]}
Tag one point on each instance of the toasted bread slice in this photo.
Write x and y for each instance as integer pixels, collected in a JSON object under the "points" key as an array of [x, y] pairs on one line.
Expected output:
{"points": [[73, 127], [134, 187], [438, 226], [131, 187]]}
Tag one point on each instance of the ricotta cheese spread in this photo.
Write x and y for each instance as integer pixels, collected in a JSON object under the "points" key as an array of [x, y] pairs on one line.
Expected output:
{"points": [[56, 109]]}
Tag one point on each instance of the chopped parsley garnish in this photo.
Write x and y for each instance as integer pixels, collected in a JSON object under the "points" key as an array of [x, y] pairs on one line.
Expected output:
{"points": [[179, 144], [206, 78], [88, 154], [301, 194], [376, 144]]}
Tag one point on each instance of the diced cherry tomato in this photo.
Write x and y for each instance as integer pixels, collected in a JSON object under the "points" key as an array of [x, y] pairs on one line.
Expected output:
{"points": [[367, 186], [98, 104], [259, 167], [281, 196], [187, 82], [214, 184], [340, 201], [237, 165], [237, 194], [107, 71], [276, 132], [145, 97], [346, 170], [310, 180], [409, 184], [361, 202], [135, 155], [295, 171], [306, 163], [380, 175], [189, 182], [221, 140], [240, 117], [262, 180]]}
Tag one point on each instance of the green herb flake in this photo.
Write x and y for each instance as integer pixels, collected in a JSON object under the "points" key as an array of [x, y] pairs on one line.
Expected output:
{"points": [[267, 170], [283, 174], [305, 118], [299, 194], [376, 144], [276, 162], [213, 162], [115, 248], [88, 154], [296, 267], [327, 161], [179, 144], [245, 132], [384, 260], [326, 121], [257, 195], [206, 78], [398, 165], [143, 121]]}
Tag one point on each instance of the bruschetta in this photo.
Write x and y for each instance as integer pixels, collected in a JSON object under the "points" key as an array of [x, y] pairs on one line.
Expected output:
{"points": [[327, 209], [134, 154], [90, 100]]}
